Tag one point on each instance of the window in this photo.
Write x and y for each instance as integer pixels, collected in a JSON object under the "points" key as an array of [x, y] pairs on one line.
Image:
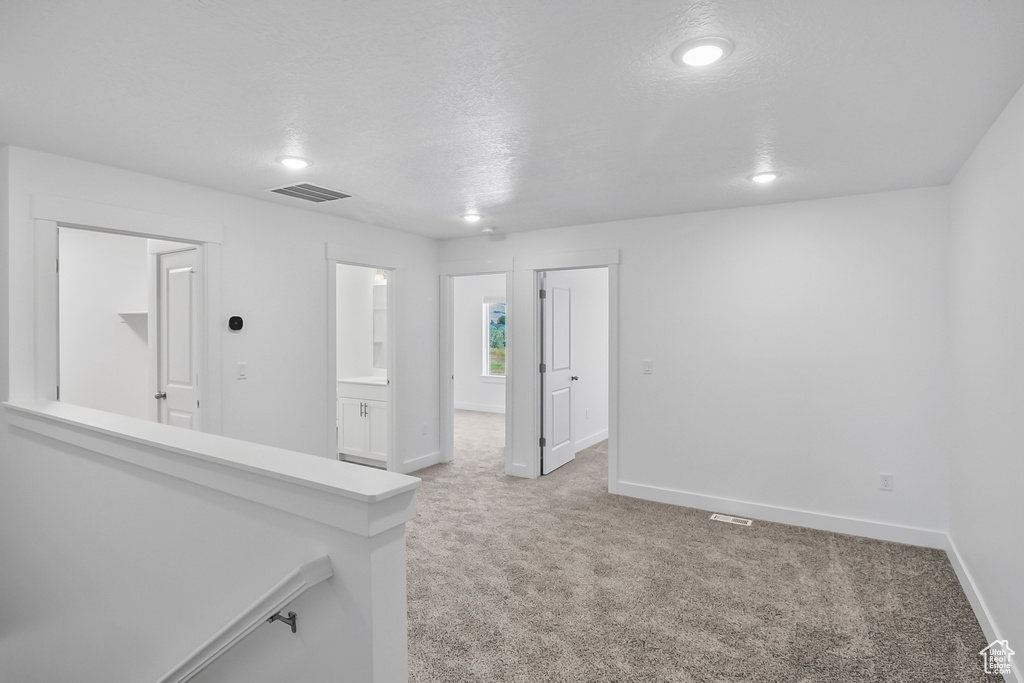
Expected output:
{"points": [[494, 338]]}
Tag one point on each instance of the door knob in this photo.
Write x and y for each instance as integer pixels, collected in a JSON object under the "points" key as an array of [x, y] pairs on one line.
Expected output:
{"points": [[160, 394], [575, 377]]}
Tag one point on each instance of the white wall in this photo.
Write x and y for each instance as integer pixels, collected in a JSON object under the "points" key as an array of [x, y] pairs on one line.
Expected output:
{"points": [[116, 566], [588, 350], [987, 505], [4, 281], [274, 275], [355, 321], [802, 348], [114, 572], [473, 391], [104, 358]]}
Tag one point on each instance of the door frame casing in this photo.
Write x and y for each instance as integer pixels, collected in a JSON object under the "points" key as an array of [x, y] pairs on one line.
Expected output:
{"points": [[448, 271], [526, 456], [51, 212], [340, 254]]}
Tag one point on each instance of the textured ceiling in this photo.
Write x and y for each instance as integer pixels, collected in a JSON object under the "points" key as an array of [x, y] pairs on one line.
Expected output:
{"points": [[534, 113]]}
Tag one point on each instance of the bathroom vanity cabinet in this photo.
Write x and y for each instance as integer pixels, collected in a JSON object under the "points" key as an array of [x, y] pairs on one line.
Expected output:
{"points": [[363, 420]]}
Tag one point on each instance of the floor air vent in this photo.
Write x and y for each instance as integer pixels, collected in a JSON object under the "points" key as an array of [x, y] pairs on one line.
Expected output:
{"points": [[731, 520], [310, 192]]}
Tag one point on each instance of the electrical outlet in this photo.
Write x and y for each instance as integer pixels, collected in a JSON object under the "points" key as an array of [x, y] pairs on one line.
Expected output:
{"points": [[423, 428], [885, 481]]}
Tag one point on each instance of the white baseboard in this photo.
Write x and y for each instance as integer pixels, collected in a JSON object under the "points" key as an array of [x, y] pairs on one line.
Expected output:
{"points": [[589, 441], [518, 470], [381, 463], [978, 605], [928, 538], [480, 407], [420, 462]]}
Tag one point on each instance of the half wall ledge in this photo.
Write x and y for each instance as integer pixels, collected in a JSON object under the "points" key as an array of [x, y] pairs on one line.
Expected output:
{"points": [[360, 500]]}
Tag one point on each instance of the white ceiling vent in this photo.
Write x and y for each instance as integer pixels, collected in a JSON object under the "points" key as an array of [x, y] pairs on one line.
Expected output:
{"points": [[310, 192], [731, 520]]}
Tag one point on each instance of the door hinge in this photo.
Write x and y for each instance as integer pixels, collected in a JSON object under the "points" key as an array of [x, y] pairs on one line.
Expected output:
{"points": [[543, 294], [543, 442], [58, 265], [58, 392], [543, 367]]}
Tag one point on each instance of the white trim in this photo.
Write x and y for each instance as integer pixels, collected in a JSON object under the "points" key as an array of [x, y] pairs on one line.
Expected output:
{"points": [[492, 379], [46, 304], [212, 392], [594, 258], [420, 462], [369, 258], [446, 367], [613, 378], [587, 442], [81, 213], [479, 407], [536, 278], [929, 538], [361, 500], [978, 604], [477, 267], [298, 581], [517, 469], [331, 400]]}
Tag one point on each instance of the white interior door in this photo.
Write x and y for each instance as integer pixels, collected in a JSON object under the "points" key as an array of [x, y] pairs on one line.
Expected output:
{"points": [[559, 447], [178, 351]]}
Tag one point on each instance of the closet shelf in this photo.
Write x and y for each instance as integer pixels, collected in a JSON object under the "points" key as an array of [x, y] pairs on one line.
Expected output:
{"points": [[130, 316]]}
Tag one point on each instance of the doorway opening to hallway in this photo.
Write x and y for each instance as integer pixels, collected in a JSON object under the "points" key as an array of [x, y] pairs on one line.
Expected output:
{"points": [[480, 360]]}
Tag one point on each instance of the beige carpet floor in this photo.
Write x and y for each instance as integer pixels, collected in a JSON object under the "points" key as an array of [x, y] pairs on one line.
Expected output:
{"points": [[556, 580]]}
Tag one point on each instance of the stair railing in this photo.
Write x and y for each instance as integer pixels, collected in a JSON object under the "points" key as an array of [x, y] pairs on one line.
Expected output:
{"points": [[266, 609]]}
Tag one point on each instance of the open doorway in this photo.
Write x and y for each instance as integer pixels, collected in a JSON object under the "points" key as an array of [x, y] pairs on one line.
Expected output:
{"points": [[573, 334], [129, 325], [363, 348], [479, 342]]}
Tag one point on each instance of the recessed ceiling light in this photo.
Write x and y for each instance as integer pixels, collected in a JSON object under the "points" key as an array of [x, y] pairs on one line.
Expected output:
{"points": [[294, 163], [702, 51], [765, 176], [471, 217]]}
